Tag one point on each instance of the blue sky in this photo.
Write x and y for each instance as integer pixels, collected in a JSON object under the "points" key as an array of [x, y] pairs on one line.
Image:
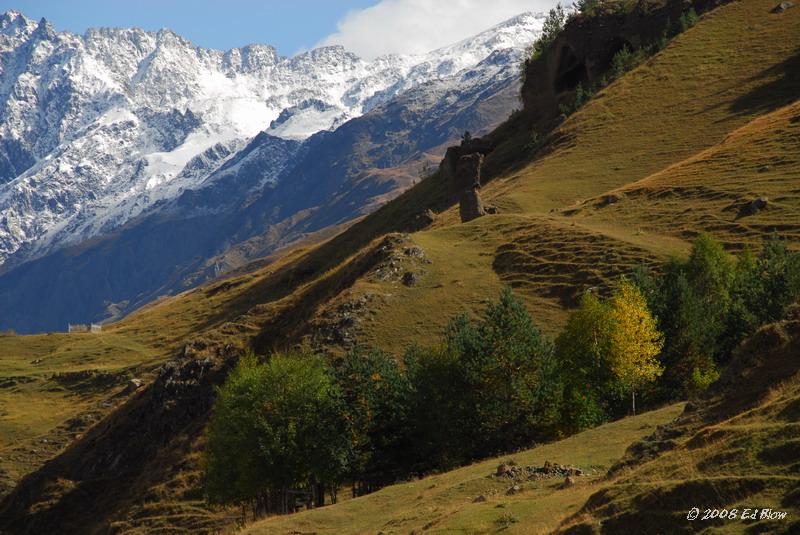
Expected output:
{"points": [[366, 27], [289, 25]]}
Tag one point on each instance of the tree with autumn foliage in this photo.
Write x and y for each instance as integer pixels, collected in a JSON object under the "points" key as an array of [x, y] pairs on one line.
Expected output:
{"points": [[635, 341]]}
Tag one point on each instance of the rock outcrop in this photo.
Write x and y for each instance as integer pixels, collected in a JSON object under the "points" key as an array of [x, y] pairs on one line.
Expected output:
{"points": [[461, 171], [471, 205], [783, 6]]}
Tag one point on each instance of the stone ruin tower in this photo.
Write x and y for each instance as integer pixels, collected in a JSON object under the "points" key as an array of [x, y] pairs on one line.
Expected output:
{"points": [[461, 169], [468, 181]]}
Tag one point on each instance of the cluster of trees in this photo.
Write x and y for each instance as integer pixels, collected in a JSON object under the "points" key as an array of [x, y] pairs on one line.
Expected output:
{"points": [[301, 425], [707, 304]]}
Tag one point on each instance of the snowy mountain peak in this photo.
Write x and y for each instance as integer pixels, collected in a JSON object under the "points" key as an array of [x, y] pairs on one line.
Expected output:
{"points": [[95, 128]]}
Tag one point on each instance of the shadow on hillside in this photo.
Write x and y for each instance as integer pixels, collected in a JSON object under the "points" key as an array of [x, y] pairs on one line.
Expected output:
{"points": [[781, 87]]}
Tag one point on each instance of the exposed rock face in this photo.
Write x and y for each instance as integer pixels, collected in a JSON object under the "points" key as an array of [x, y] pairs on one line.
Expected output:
{"points": [[468, 171], [471, 205], [467, 180], [461, 175]]}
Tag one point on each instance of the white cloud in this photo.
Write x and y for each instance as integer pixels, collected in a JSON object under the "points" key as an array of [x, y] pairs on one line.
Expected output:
{"points": [[418, 26]]}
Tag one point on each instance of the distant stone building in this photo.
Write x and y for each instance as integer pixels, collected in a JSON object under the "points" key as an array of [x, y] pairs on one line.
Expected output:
{"points": [[84, 328]]}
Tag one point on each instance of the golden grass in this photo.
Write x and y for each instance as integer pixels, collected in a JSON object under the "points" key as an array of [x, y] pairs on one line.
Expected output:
{"points": [[710, 189]]}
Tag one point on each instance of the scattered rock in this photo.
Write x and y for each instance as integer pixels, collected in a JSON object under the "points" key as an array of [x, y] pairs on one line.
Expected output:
{"points": [[414, 252], [527, 473], [502, 470], [423, 220], [81, 421], [611, 198], [568, 482], [479, 499], [492, 209], [759, 204], [753, 207], [783, 6], [133, 385], [514, 490], [410, 278]]}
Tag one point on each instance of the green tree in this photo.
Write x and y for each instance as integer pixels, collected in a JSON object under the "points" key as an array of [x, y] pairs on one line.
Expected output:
{"points": [[234, 473], [694, 304], [586, 7], [375, 394], [277, 427], [635, 340], [493, 385], [551, 27], [763, 287], [509, 370], [439, 408], [583, 348]]}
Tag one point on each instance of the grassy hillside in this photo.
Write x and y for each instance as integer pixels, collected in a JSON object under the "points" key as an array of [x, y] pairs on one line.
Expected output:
{"points": [[712, 189], [681, 143], [54, 386], [709, 109], [445, 503]]}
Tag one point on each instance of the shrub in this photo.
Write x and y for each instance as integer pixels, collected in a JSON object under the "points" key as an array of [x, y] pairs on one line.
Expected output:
{"points": [[625, 60], [688, 19]]}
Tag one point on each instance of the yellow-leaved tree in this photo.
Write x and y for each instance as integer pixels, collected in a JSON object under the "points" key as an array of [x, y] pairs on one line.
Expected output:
{"points": [[635, 340]]}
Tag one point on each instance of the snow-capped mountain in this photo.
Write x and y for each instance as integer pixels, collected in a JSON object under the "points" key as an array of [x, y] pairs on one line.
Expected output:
{"points": [[96, 128]]}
